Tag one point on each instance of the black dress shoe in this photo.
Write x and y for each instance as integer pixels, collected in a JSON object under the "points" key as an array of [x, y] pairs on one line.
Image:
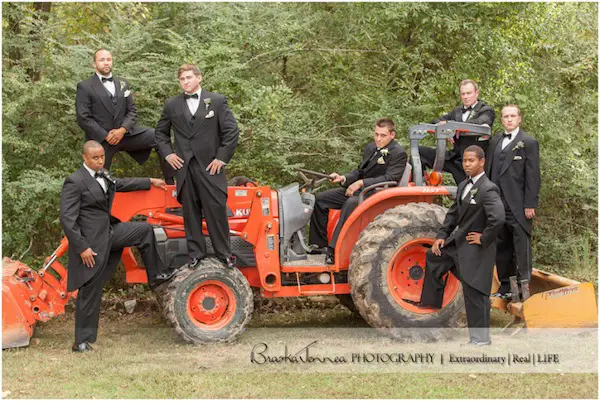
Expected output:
{"points": [[319, 251], [479, 343], [81, 347], [193, 262], [420, 305], [162, 278], [228, 262], [330, 256]]}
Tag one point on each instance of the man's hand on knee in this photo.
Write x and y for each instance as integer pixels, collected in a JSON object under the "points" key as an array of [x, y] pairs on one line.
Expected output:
{"points": [[436, 247]]}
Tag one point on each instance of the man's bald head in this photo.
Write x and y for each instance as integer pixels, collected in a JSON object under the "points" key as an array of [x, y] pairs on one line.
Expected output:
{"points": [[93, 155], [89, 145]]}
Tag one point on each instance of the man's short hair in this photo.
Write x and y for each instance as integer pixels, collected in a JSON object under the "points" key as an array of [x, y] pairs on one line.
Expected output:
{"points": [[468, 81], [99, 50], [188, 67], [511, 105], [386, 122], [477, 150], [91, 144]]}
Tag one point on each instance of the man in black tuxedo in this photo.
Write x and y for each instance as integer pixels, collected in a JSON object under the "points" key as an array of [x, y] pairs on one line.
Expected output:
{"points": [[107, 114], [472, 111], [206, 135], [97, 239], [466, 245], [384, 159], [513, 163]]}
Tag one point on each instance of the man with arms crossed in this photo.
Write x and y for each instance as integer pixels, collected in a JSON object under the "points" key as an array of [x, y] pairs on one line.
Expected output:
{"points": [[472, 111]]}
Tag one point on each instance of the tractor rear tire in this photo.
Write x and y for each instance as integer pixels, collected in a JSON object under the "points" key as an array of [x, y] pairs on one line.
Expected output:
{"points": [[387, 263], [208, 304]]}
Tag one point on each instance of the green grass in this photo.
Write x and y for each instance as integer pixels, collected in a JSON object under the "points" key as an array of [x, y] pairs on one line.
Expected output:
{"points": [[139, 356]]}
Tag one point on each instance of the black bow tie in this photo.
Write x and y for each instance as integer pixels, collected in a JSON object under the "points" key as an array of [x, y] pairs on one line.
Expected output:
{"points": [[465, 109], [107, 79], [505, 135], [186, 96], [99, 174], [471, 181]]}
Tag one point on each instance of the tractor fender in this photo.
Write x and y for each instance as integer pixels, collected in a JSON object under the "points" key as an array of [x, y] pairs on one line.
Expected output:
{"points": [[375, 205]]}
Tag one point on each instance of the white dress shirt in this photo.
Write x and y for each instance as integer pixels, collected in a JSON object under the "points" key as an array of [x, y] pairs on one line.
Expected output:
{"points": [[467, 113], [109, 85], [193, 103], [100, 180], [469, 185], [506, 140]]}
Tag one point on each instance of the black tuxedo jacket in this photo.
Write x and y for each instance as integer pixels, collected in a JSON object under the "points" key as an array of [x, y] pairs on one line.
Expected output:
{"points": [[481, 211], [520, 176], [96, 113], [86, 220], [481, 114], [376, 168], [211, 134]]}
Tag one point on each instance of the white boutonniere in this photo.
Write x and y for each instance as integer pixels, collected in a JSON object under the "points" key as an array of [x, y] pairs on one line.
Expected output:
{"points": [[380, 160], [474, 192], [210, 114], [384, 152], [519, 145], [124, 88], [207, 103]]}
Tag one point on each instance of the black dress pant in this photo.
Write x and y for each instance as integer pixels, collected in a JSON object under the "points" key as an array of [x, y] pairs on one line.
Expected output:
{"points": [[452, 163], [324, 201], [477, 304], [513, 252], [200, 197], [89, 298], [139, 145]]}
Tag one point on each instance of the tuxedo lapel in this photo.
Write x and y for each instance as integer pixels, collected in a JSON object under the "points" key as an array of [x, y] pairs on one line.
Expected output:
{"points": [[118, 96], [464, 206], [94, 187], [103, 94], [510, 152], [462, 203], [370, 159]]}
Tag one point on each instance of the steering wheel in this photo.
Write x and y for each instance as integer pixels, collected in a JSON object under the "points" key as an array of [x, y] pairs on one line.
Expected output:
{"points": [[312, 183]]}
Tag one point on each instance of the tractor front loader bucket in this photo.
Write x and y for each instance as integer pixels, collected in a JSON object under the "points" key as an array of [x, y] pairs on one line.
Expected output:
{"points": [[18, 322], [556, 302], [29, 296]]}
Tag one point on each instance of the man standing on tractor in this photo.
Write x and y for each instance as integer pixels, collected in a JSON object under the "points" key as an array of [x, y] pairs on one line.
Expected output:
{"points": [[466, 245], [97, 239], [513, 164], [206, 135], [107, 114], [472, 111], [383, 160]]}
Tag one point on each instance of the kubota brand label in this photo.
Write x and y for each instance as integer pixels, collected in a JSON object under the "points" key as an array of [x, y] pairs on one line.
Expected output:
{"points": [[242, 212], [560, 292]]}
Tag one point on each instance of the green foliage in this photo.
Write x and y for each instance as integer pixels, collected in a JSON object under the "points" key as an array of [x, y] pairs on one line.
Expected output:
{"points": [[305, 82]]}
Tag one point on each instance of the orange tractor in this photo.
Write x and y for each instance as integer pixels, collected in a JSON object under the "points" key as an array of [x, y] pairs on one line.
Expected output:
{"points": [[380, 260]]}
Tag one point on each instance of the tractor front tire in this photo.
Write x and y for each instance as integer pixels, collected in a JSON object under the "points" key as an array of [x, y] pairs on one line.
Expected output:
{"points": [[387, 268], [208, 304]]}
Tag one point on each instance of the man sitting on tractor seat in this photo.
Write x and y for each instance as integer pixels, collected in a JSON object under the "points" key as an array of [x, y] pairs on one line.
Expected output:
{"points": [[383, 160]]}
